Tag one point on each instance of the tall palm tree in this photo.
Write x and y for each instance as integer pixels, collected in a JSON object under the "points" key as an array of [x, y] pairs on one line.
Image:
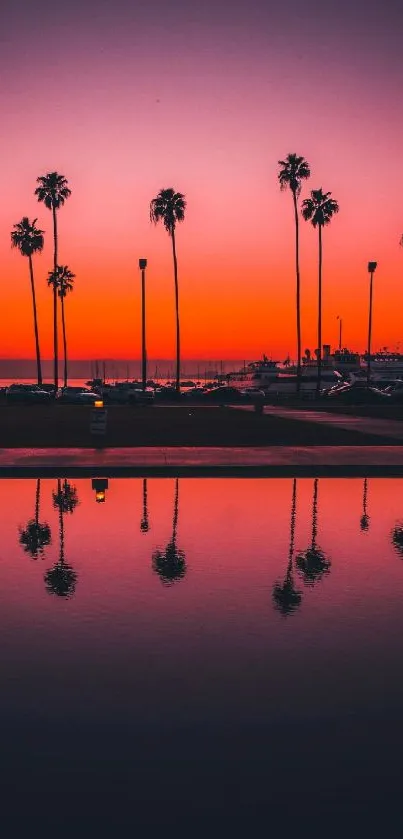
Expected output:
{"points": [[29, 240], [313, 563], [319, 209], [144, 524], [169, 207], [286, 596], [170, 564], [37, 535], [53, 190], [63, 279], [294, 170], [61, 579], [397, 538], [364, 520]]}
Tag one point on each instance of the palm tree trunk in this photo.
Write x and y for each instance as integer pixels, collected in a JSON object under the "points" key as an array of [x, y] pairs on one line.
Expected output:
{"points": [[64, 342], [315, 513], [178, 348], [37, 501], [292, 526], [38, 354], [176, 509], [55, 346], [369, 331], [298, 290], [61, 524], [319, 315]]}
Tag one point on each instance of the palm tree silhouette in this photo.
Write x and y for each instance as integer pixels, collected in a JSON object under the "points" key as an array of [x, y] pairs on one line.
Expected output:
{"points": [[170, 564], [319, 209], [53, 190], [169, 207], [294, 170], [63, 279], [29, 240], [144, 524], [36, 535], [364, 520], [61, 579], [397, 538], [313, 563], [66, 498], [286, 596]]}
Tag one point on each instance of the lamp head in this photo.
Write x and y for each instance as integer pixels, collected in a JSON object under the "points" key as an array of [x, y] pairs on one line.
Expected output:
{"points": [[371, 267], [142, 264]]}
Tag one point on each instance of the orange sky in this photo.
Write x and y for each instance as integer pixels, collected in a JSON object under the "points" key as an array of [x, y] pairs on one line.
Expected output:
{"points": [[214, 129]]}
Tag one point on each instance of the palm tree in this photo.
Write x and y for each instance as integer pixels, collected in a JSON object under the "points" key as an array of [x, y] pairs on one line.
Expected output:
{"points": [[286, 596], [63, 279], [53, 190], [313, 563], [397, 538], [294, 170], [319, 209], [37, 535], [61, 579], [170, 564], [169, 207], [66, 498], [144, 524], [364, 520], [29, 240]]}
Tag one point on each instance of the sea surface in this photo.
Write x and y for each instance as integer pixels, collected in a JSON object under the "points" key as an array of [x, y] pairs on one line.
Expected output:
{"points": [[216, 653]]}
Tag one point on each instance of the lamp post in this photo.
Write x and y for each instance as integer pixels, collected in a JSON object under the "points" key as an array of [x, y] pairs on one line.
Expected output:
{"points": [[340, 330], [371, 270], [143, 266]]}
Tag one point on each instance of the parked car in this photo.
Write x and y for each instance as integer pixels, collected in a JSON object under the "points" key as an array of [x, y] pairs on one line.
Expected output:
{"points": [[138, 396], [26, 394], [77, 396], [227, 395], [357, 393]]}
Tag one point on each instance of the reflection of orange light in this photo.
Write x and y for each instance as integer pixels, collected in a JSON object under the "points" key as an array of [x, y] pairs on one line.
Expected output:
{"points": [[100, 496], [98, 403]]}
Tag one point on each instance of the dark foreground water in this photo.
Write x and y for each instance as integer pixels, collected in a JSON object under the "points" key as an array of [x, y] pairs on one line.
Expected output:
{"points": [[219, 656]]}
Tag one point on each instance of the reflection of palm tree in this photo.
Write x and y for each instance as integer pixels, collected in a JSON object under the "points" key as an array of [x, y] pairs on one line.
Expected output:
{"points": [[144, 524], [61, 579], [364, 520], [286, 596], [171, 563], [312, 563], [36, 535], [66, 498], [397, 538]]}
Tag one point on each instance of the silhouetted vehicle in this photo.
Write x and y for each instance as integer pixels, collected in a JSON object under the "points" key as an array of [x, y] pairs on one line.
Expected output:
{"points": [[358, 393], [26, 394], [137, 396], [395, 391], [77, 396], [227, 396]]}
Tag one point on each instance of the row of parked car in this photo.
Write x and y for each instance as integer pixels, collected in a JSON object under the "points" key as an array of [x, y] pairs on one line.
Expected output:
{"points": [[358, 393]]}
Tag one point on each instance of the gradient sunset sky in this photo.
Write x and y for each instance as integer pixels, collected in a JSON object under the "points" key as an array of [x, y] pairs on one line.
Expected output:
{"points": [[125, 98]]}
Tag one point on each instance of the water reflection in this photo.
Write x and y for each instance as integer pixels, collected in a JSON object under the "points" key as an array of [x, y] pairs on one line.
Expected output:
{"points": [[364, 520], [170, 564], [61, 579], [286, 596], [313, 563], [144, 524], [35, 537], [397, 538]]}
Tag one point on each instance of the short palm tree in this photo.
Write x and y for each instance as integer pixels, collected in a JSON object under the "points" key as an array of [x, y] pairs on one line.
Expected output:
{"points": [[169, 207], [286, 596], [66, 498], [293, 171], [313, 563], [29, 240], [61, 579], [319, 209], [170, 564], [397, 538], [364, 520], [144, 524], [53, 190], [37, 535], [63, 279]]}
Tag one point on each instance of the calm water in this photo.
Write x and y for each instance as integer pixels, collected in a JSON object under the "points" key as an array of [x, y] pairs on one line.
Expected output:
{"points": [[210, 649]]}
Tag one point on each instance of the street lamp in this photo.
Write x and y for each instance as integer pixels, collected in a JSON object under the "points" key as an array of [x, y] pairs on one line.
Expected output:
{"points": [[143, 266], [340, 330], [371, 270]]}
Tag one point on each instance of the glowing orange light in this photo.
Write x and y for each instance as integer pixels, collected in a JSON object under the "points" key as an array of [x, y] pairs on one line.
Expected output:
{"points": [[98, 403]]}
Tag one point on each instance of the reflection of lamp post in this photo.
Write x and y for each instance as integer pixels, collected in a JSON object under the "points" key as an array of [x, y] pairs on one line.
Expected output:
{"points": [[100, 485], [143, 266], [371, 270], [340, 330]]}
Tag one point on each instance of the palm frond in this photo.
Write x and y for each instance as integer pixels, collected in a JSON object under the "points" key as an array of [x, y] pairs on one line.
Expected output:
{"points": [[53, 190], [26, 237], [169, 207], [293, 170]]}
